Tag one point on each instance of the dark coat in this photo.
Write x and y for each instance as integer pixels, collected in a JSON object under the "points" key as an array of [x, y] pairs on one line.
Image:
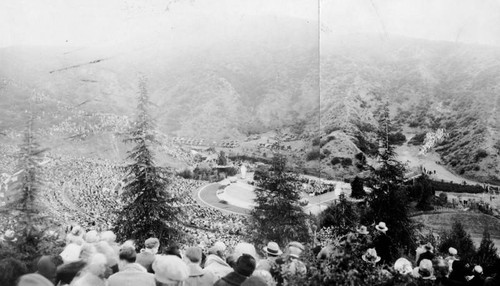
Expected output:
{"points": [[232, 279]]}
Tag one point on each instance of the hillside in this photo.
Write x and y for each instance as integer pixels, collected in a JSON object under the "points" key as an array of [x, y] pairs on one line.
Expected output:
{"points": [[243, 82], [429, 85]]}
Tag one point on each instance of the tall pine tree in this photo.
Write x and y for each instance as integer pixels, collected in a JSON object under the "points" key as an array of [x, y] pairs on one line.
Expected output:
{"points": [[149, 210], [388, 201], [24, 202], [278, 215], [487, 253]]}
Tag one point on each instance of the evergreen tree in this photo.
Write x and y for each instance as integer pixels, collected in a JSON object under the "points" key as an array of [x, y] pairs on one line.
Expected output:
{"points": [[487, 253], [277, 215], [342, 217], [358, 191], [149, 210], [24, 203], [459, 239], [426, 193], [388, 201]]}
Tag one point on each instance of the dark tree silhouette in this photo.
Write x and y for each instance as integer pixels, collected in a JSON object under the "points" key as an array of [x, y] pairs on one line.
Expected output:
{"points": [[149, 210], [459, 239], [388, 200], [24, 203], [487, 253], [342, 217], [358, 191], [278, 215]]}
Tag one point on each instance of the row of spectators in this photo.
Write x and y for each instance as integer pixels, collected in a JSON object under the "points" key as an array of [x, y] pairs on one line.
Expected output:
{"points": [[95, 258]]}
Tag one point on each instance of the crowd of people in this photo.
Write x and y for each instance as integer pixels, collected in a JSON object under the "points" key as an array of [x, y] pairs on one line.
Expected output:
{"points": [[95, 258]]}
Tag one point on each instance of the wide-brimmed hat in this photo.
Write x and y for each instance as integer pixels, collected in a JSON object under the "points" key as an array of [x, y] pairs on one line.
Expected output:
{"points": [[371, 256], [362, 230], [272, 248], [381, 227], [295, 249], [10, 235], [425, 269], [403, 266]]}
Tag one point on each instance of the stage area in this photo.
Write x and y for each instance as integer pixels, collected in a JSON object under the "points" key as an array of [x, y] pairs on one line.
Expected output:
{"points": [[240, 194]]}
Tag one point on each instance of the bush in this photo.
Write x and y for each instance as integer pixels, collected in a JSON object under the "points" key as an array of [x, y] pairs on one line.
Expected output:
{"points": [[335, 161], [480, 153], [456, 188], [186, 174], [346, 162], [313, 155], [397, 138], [316, 141]]}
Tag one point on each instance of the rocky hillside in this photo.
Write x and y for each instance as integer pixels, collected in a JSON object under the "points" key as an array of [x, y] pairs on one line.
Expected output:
{"points": [[429, 85]]}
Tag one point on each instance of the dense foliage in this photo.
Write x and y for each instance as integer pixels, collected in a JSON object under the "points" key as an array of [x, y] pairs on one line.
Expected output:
{"points": [[458, 238], [149, 211], [389, 201], [278, 215]]}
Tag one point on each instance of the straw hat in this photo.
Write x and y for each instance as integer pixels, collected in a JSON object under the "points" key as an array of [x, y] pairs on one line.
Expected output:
{"points": [[382, 227], [362, 230], [272, 248]]}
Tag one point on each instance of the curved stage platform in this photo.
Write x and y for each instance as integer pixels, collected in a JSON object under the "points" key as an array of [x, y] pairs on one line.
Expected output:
{"points": [[238, 197]]}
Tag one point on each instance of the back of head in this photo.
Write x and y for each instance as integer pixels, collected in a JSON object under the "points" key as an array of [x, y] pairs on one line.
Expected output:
{"points": [[92, 236], [46, 267], [169, 269], [245, 265], [108, 236], [127, 254], [10, 270], [152, 243], [194, 254]]}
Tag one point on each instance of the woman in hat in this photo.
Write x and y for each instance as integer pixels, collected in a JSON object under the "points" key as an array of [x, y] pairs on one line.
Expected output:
{"points": [[382, 242]]}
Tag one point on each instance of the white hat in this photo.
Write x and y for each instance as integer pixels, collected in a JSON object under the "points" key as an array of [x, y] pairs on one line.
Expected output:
{"points": [[272, 248], [478, 269], [452, 251], [403, 266], [381, 227], [371, 256]]}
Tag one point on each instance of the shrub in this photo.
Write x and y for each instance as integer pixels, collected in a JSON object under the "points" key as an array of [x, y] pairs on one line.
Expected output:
{"points": [[335, 161], [480, 153], [397, 138], [316, 141], [346, 162], [186, 174], [313, 155]]}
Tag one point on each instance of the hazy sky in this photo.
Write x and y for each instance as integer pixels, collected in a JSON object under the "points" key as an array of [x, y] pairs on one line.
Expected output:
{"points": [[104, 22], [470, 21]]}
